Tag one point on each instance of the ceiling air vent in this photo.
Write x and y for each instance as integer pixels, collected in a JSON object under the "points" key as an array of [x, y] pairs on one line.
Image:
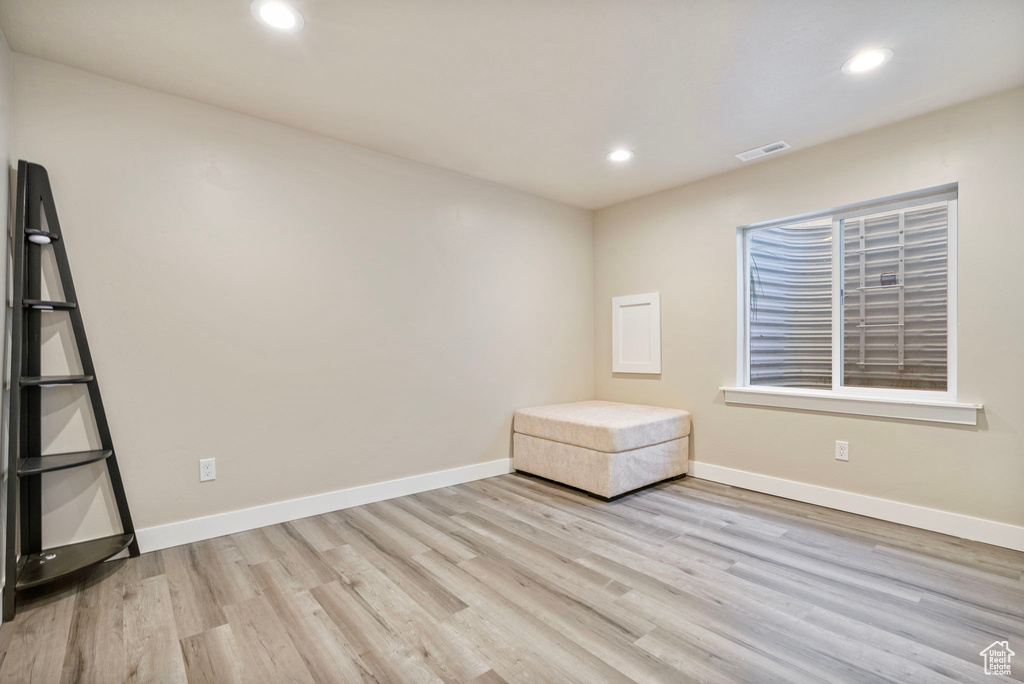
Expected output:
{"points": [[763, 150]]}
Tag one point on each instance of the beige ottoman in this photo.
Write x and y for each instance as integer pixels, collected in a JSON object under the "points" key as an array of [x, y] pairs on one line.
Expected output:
{"points": [[602, 447]]}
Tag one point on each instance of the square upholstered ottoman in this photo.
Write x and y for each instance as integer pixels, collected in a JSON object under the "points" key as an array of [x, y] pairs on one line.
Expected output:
{"points": [[601, 447]]}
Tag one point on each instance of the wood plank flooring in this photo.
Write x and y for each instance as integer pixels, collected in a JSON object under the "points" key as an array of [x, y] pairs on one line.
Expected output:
{"points": [[514, 579]]}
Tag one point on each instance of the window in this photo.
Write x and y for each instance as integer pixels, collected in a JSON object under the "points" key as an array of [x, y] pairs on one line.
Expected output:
{"points": [[789, 295], [895, 291], [858, 301]]}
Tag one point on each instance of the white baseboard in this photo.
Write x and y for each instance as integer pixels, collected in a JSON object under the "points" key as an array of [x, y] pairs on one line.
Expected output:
{"points": [[197, 529], [955, 524]]}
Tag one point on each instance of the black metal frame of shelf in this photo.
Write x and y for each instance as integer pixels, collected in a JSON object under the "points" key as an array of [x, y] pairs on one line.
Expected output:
{"points": [[46, 305], [54, 380], [28, 564]]}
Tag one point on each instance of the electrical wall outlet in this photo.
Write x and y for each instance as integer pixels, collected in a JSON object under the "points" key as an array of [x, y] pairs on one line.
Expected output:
{"points": [[842, 451], [208, 469]]}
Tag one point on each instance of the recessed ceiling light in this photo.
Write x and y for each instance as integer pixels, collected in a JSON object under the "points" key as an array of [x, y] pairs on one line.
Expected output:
{"points": [[866, 61], [277, 15], [620, 155]]}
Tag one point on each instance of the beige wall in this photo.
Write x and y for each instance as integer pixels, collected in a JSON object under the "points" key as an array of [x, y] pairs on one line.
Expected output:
{"points": [[317, 316], [314, 315], [682, 242]]}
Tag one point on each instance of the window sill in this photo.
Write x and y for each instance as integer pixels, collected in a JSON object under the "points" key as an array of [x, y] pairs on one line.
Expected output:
{"points": [[885, 407]]}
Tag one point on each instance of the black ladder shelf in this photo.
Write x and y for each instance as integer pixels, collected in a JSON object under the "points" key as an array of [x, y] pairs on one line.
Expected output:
{"points": [[28, 563]]}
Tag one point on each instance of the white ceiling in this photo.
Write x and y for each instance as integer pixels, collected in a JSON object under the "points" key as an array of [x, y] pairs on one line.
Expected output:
{"points": [[533, 93]]}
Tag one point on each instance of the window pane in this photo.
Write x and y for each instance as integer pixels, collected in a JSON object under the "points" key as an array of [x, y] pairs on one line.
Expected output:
{"points": [[895, 299], [790, 300]]}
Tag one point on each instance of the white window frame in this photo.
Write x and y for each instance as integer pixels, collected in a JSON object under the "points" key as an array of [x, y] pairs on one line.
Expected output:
{"points": [[874, 401]]}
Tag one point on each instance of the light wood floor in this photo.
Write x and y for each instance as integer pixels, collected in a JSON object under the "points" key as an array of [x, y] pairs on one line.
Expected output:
{"points": [[518, 580]]}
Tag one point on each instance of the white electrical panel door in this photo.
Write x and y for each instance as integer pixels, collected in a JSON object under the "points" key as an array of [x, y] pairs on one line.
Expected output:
{"points": [[636, 333]]}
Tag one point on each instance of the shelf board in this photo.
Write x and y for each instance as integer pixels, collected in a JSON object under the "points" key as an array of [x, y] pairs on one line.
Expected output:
{"points": [[51, 462], [53, 236], [44, 380], [51, 564], [47, 305]]}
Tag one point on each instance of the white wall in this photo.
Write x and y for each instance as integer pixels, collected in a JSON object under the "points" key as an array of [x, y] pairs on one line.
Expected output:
{"points": [[317, 316], [314, 315], [682, 242]]}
